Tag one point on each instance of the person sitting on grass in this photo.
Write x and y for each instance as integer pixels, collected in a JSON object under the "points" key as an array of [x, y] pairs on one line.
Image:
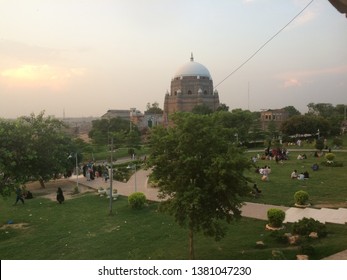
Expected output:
{"points": [[256, 191], [301, 176], [294, 174]]}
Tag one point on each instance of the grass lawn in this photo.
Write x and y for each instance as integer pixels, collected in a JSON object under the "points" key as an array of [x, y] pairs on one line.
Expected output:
{"points": [[326, 187], [82, 229]]}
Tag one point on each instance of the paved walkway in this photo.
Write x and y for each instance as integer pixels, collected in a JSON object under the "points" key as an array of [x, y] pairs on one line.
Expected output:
{"points": [[138, 182]]}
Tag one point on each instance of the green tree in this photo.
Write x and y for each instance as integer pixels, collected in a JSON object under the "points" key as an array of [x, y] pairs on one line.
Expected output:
{"points": [[202, 110], [199, 173], [305, 124], [153, 109], [239, 121], [33, 148], [292, 111], [16, 154], [52, 147], [223, 107], [102, 129]]}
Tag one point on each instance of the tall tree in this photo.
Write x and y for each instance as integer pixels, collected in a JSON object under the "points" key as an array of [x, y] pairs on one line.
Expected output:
{"points": [[16, 154], [200, 173], [33, 148], [103, 128], [305, 124], [52, 147]]}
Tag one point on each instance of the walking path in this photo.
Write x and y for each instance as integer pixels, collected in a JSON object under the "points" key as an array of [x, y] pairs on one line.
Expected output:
{"points": [[138, 182]]}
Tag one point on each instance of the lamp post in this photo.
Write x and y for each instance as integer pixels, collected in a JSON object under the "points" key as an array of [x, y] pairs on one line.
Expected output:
{"points": [[318, 133], [77, 173], [237, 138]]}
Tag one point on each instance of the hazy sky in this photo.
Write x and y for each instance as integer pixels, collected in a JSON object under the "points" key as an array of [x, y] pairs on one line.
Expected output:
{"points": [[87, 56]]}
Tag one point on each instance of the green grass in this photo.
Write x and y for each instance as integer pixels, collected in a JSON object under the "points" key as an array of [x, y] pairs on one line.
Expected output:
{"points": [[327, 186], [82, 229]]}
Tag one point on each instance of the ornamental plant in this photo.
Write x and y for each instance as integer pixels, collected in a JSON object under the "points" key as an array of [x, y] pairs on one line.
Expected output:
{"points": [[275, 217], [301, 197], [307, 225], [330, 157], [137, 200]]}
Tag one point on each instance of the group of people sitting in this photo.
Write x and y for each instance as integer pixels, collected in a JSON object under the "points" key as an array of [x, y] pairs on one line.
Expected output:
{"points": [[299, 176]]}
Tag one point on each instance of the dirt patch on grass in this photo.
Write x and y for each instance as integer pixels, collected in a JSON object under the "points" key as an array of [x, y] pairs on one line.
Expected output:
{"points": [[50, 191], [15, 226]]}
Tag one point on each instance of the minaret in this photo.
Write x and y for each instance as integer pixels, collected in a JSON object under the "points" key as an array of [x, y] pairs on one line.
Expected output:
{"points": [[191, 57]]}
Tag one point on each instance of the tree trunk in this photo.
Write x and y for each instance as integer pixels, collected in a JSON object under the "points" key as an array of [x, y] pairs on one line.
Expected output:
{"points": [[191, 244], [42, 183]]}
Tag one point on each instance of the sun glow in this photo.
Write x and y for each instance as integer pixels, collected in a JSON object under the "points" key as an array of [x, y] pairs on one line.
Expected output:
{"points": [[29, 75]]}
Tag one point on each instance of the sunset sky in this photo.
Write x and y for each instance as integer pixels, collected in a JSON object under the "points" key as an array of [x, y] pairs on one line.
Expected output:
{"points": [[83, 57]]}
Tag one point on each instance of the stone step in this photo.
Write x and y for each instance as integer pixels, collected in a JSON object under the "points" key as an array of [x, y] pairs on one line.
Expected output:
{"points": [[324, 215], [335, 216]]}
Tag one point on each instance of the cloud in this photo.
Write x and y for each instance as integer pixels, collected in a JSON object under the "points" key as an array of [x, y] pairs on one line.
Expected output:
{"points": [[41, 75], [298, 78], [292, 83], [305, 18]]}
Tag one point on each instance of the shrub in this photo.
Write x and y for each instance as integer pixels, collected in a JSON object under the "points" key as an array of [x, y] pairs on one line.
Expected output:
{"points": [[301, 197], [279, 236], [330, 157], [307, 225], [276, 217], [137, 200]]}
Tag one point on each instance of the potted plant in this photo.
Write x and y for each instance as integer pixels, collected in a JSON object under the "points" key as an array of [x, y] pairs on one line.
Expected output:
{"points": [[275, 217], [301, 198]]}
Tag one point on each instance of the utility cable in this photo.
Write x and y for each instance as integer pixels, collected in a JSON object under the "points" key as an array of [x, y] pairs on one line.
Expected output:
{"points": [[262, 46]]}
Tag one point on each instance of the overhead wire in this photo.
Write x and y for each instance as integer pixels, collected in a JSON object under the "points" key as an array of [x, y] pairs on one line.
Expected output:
{"points": [[263, 45]]}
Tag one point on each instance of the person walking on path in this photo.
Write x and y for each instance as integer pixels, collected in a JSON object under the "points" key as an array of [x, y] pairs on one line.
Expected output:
{"points": [[19, 196], [60, 196]]}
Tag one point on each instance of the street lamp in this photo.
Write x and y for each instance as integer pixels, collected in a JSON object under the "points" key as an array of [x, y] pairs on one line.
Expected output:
{"points": [[318, 133], [237, 138], [70, 156]]}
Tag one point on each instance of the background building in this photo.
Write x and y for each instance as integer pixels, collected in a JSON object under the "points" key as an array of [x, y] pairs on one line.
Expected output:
{"points": [[277, 116], [192, 85]]}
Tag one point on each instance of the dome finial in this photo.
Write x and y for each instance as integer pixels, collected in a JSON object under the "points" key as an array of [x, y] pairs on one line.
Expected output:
{"points": [[191, 57]]}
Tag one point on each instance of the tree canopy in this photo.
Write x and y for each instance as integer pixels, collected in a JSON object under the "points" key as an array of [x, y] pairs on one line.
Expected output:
{"points": [[305, 124], [199, 173], [123, 132], [153, 109], [33, 148]]}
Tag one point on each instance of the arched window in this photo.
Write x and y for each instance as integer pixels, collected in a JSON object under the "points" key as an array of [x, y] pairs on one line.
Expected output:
{"points": [[189, 92]]}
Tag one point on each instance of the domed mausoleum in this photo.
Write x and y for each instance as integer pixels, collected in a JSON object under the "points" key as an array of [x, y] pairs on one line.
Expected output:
{"points": [[191, 85]]}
